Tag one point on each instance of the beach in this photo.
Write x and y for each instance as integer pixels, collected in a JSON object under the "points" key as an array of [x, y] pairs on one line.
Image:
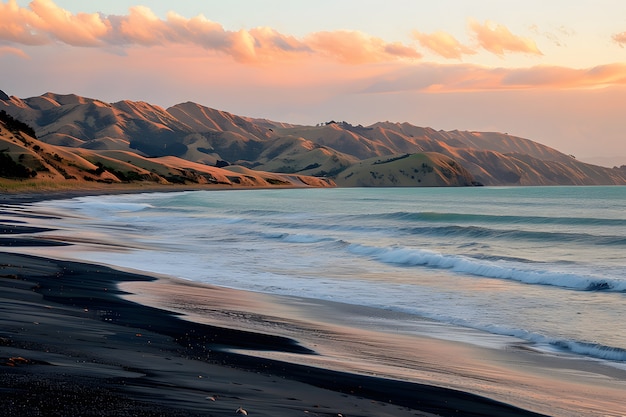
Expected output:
{"points": [[85, 339]]}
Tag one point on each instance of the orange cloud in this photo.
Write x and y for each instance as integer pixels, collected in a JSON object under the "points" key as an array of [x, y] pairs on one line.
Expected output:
{"points": [[620, 38], [444, 44], [44, 22], [566, 78], [470, 78], [81, 29], [498, 39], [8, 50], [140, 27], [357, 48], [19, 25]]}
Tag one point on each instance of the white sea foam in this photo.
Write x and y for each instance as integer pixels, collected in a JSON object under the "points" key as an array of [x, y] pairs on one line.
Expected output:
{"points": [[490, 269]]}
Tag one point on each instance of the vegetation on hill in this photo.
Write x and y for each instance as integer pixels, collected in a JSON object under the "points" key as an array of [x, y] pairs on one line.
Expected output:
{"points": [[15, 125], [11, 169], [26, 162], [428, 169]]}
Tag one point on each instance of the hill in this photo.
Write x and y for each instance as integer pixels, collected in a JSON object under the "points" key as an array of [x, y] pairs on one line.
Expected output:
{"points": [[211, 138], [492, 158], [408, 170], [31, 162]]}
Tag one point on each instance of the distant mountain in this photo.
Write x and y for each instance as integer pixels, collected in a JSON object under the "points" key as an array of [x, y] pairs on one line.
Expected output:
{"points": [[336, 150], [492, 158]]}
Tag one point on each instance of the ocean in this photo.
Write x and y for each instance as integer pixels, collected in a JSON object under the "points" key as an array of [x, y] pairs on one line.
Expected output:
{"points": [[540, 266]]}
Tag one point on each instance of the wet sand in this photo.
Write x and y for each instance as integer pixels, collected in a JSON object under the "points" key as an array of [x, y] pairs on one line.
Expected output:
{"points": [[81, 339], [71, 345], [392, 345]]}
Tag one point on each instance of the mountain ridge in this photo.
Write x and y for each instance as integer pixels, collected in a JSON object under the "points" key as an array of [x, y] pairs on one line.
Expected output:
{"points": [[203, 135]]}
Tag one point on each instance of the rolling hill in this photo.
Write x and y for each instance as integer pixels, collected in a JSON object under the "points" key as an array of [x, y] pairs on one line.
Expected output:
{"points": [[190, 142], [25, 158]]}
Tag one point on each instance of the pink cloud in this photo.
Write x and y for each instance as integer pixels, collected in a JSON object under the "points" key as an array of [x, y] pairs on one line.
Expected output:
{"points": [[470, 78], [559, 77], [43, 22], [498, 39], [444, 44], [357, 48], [399, 50], [81, 29], [19, 25], [140, 27], [8, 50]]}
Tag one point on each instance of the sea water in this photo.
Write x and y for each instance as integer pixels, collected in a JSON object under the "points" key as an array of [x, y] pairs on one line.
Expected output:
{"points": [[545, 265]]}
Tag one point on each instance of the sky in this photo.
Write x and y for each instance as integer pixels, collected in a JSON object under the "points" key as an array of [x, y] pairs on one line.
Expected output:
{"points": [[550, 71]]}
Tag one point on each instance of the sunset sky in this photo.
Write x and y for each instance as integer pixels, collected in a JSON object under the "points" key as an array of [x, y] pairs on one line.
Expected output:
{"points": [[551, 71]]}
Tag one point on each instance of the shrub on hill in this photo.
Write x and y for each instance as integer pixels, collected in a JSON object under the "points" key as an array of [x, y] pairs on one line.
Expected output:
{"points": [[11, 169], [15, 125]]}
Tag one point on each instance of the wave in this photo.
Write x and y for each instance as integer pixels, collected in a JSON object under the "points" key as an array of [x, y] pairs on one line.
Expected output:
{"points": [[541, 342], [409, 257], [97, 209], [543, 236], [536, 340], [297, 238], [472, 232], [593, 350], [507, 219]]}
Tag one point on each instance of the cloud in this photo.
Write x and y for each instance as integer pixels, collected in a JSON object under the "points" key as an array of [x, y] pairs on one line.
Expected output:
{"points": [[498, 39], [434, 78], [620, 38], [566, 78], [81, 29], [19, 25], [43, 22], [444, 44], [356, 47], [140, 27], [8, 50]]}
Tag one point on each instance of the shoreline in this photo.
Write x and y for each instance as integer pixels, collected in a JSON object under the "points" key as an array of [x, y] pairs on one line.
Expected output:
{"points": [[300, 352], [344, 339], [33, 196], [65, 320], [71, 342]]}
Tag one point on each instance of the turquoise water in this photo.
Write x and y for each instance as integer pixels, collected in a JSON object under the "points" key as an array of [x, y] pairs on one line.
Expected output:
{"points": [[541, 264]]}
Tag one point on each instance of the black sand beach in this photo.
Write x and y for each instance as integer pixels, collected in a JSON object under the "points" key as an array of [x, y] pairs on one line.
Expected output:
{"points": [[70, 344]]}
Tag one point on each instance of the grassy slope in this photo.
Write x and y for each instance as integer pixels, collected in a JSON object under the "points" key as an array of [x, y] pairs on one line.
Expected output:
{"points": [[409, 170], [53, 167]]}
